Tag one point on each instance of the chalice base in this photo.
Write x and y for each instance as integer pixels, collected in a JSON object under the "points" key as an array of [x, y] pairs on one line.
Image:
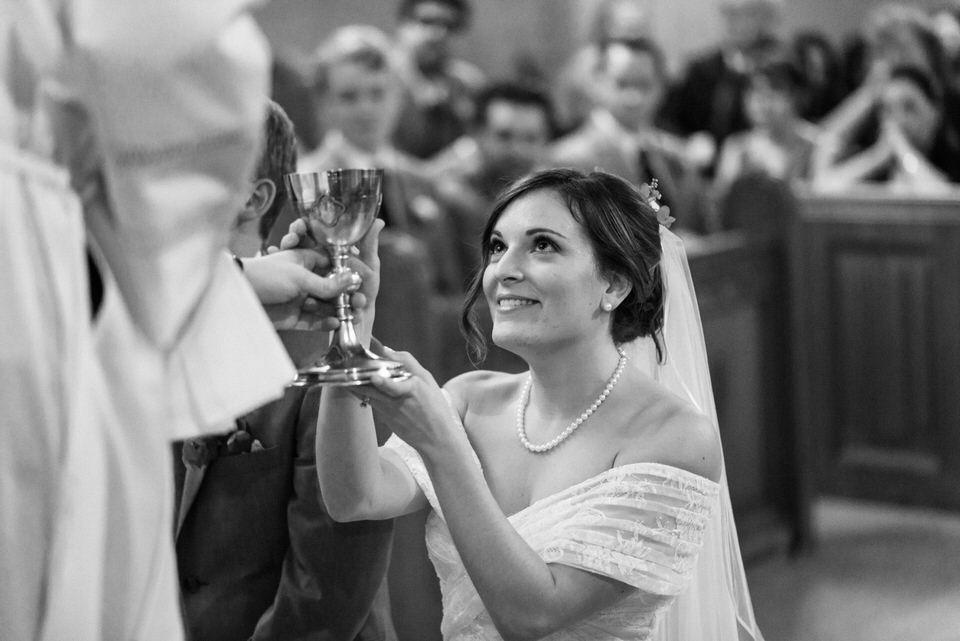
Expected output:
{"points": [[337, 369]]}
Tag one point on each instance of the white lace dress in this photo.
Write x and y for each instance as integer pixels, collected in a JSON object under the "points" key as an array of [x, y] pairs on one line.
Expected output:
{"points": [[642, 524]]}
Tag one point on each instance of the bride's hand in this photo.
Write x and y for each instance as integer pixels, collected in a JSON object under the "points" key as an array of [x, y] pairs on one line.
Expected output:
{"points": [[414, 409]]}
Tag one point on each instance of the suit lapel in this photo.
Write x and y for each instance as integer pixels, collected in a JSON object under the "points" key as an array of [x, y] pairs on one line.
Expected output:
{"points": [[188, 479], [192, 481]]}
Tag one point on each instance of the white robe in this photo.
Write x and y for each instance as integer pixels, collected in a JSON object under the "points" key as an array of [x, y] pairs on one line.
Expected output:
{"points": [[174, 95]]}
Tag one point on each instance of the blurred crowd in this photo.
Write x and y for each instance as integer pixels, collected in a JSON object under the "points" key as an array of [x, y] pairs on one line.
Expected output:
{"points": [[758, 111]]}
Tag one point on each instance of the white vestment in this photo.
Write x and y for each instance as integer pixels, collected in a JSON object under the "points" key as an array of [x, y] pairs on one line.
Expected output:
{"points": [[172, 92]]}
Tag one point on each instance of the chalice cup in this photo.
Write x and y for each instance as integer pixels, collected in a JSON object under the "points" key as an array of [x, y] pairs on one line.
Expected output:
{"points": [[338, 207]]}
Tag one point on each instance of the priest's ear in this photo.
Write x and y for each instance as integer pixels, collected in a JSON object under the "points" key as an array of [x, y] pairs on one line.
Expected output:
{"points": [[261, 199]]}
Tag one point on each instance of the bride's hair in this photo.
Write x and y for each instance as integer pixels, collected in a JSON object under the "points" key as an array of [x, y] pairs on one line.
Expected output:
{"points": [[625, 236]]}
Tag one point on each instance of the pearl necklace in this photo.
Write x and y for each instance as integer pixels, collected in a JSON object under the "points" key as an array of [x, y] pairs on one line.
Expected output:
{"points": [[565, 434]]}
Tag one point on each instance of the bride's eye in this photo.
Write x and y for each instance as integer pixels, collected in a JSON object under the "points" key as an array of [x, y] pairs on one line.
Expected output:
{"points": [[495, 247], [544, 244]]}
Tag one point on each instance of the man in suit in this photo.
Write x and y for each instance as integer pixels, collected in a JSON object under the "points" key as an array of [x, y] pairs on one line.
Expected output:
{"points": [[438, 90], [620, 135], [257, 554], [707, 103]]}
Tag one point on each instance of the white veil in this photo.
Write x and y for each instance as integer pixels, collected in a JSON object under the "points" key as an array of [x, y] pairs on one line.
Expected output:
{"points": [[716, 605]]}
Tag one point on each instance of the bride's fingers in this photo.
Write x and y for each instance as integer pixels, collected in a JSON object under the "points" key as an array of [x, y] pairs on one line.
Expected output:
{"points": [[392, 388], [408, 361], [377, 347], [369, 244]]}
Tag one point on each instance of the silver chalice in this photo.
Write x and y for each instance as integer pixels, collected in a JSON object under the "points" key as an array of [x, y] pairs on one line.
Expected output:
{"points": [[338, 207]]}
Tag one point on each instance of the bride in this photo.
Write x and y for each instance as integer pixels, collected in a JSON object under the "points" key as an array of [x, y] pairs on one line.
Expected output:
{"points": [[585, 498]]}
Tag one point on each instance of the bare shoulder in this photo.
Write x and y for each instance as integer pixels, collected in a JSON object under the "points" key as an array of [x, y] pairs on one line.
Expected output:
{"points": [[676, 434], [482, 390]]}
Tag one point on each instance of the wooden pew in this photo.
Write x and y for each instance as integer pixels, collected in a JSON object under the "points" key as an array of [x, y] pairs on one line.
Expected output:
{"points": [[876, 328], [741, 285]]}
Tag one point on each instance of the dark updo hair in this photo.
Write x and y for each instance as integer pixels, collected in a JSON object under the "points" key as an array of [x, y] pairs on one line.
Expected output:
{"points": [[625, 236]]}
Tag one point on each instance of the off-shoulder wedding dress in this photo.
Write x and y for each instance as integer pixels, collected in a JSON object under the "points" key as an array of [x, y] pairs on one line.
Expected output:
{"points": [[667, 532], [641, 524]]}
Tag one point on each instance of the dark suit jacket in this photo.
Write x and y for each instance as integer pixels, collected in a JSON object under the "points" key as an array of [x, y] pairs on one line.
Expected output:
{"points": [[709, 96], [258, 555], [591, 147]]}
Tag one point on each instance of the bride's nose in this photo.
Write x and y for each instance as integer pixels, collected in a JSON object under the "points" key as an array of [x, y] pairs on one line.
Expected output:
{"points": [[509, 267]]}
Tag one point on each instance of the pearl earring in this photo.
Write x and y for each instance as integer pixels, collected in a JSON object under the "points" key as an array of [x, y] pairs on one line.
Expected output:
{"points": [[607, 307]]}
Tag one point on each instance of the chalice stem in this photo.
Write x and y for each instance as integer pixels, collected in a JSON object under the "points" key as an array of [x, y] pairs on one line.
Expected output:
{"points": [[346, 335], [344, 311]]}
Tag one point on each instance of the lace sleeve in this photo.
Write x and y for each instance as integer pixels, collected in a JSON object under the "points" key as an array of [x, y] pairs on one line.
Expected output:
{"points": [[641, 524]]}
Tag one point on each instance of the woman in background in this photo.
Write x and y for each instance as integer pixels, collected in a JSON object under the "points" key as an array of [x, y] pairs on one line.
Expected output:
{"points": [[918, 148]]}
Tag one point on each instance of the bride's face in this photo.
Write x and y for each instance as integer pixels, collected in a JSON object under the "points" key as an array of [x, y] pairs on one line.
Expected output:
{"points": [[542, 283]]}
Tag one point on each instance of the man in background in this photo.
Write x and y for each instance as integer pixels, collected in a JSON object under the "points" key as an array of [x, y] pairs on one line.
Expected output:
{"points": [[621, 137], [707, 103], [513, 128], [439, 91]]}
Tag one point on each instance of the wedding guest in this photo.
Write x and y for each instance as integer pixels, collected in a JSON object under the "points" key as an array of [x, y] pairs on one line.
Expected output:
{"points": [[621, 136], [257, 554], [917, 150], [894, 35], [779, 142], [548, 520], [439, 90], [707, 103], [358, 95], [819, 64], [154, 110], [575, 89], [514, 125]]}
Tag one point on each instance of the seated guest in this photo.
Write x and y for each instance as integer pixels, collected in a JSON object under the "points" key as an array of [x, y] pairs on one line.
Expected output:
{"points": [[917, 149], [358, 93], [707, 104], [574, 87], [779, 142], [820, 66], [620, 136], [258, 556], [894, 35], [514, 125], [437, 104]]}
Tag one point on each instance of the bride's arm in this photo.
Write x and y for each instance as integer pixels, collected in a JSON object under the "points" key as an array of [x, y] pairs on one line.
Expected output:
{"points": [[359, 480]]}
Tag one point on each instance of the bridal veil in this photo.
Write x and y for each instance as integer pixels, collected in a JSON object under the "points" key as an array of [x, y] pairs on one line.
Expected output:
{"points": [[716, 606]]}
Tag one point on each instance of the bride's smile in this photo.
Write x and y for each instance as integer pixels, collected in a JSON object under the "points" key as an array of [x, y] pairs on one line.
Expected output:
{"points": [[511, 303]]}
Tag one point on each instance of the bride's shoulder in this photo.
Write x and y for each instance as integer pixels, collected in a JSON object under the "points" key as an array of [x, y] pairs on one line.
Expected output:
{"points": [[675, 433], [481, 388]]}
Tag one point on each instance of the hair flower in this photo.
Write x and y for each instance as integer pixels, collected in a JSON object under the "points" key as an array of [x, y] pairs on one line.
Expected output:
{"points": [[651, 195]]}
